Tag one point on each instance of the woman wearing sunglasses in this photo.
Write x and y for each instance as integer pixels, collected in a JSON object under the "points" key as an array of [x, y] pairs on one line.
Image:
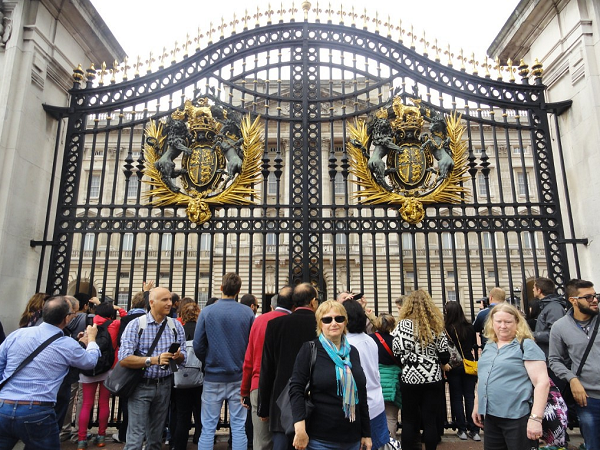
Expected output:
{"points": [[421, 345], [340, 418]]}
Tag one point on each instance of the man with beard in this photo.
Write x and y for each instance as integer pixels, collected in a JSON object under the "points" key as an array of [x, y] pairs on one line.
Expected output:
{"points": [[569, 339]]}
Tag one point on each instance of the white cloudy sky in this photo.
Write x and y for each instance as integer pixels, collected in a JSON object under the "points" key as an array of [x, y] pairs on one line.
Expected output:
{"points": [[142, 26]]}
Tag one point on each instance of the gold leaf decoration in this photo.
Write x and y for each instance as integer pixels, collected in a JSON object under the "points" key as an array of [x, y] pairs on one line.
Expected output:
{"points": [[449, 190], [240, 191]]}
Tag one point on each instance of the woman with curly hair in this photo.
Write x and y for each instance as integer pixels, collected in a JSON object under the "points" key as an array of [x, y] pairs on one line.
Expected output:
{"points": [[33, 310], [421, 345]]}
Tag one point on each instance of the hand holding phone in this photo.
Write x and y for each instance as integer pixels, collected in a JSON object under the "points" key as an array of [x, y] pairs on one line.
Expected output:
{"points": [[172, 364]]}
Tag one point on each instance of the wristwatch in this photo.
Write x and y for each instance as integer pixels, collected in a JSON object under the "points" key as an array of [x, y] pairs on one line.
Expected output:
{"points": [[148, 362]]}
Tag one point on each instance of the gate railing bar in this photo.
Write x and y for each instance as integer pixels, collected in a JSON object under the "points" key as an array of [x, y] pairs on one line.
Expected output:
{"points": [[557, 109], [58, 114]]}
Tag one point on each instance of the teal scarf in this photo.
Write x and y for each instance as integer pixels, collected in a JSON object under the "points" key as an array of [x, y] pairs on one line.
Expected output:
{"points": [[346, 386]]}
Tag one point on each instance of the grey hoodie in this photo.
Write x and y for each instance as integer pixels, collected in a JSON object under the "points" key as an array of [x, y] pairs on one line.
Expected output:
{"points": [[553, 308], [568, 341]]}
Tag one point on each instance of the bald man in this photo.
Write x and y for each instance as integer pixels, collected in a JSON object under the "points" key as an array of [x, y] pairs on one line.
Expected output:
{"points": [[149, 403]]}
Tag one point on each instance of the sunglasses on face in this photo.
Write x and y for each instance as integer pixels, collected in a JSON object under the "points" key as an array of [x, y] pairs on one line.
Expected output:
{"points": [[338, 319], [588, 298]]}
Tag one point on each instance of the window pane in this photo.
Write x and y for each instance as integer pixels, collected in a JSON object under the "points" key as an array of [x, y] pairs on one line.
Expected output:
{"points": [[446, 241], [271, 184], [407, 242], [167, 242], [340, 239], [95, 186], [481, 185], [339, 185], [88, 242], [132, 187], [205, 242], [486, 238], [271, 239], [128, 241]]}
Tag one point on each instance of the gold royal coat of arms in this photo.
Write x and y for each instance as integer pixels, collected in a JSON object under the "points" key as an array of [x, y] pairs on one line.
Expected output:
{"points": [[396, 164], [220, 159]]}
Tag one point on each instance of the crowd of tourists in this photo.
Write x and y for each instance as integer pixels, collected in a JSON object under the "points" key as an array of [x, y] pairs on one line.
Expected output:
{"points": [[305, 375]]}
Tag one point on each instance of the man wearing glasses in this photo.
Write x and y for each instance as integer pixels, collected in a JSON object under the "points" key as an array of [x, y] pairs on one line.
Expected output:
{"points": [[569, 340]]}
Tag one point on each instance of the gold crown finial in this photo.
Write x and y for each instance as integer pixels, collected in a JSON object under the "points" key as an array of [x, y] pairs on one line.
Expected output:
{"points": [[306, 8]]}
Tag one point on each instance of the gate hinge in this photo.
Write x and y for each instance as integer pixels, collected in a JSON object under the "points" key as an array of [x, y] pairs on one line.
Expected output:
{"points": [[559, 108], [57, 112], [583, 241], [33, 243]]}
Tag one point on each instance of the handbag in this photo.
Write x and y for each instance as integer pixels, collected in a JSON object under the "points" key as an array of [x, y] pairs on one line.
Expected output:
{"points": [[284, 403], [190, 376], [470, 366], [456, 359], [122, 381]]}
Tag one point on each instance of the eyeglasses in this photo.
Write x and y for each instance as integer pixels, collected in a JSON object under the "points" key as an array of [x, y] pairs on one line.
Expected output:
{"points": [[328, 320], [589, 298]]}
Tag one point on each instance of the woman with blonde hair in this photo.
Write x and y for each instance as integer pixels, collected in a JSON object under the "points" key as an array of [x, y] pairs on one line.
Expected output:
{"points": [[33, 310], [340, 418], [511, 370], [421, 345]]}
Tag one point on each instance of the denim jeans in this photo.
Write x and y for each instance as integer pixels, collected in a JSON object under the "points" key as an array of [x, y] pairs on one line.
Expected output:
{"points": [[314, 444], [589, 421], [148, 407], [35, 425], [213, 395]]}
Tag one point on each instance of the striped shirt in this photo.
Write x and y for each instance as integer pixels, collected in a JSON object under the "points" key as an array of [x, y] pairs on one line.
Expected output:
{"points": [[134, 344], [40, 379]]}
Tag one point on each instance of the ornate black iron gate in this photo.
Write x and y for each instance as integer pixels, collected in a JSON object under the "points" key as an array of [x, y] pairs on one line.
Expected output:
{"points": [[309, 82]]}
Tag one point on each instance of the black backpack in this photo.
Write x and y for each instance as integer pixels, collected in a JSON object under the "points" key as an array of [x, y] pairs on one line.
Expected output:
{"points": [[107, 352]]}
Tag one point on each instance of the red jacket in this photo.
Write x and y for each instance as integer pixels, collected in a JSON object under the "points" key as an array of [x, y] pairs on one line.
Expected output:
{"points": [[251, 368]]}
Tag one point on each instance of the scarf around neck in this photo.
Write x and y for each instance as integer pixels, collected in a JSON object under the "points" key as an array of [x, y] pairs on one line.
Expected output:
{"points": [[346, 386]]}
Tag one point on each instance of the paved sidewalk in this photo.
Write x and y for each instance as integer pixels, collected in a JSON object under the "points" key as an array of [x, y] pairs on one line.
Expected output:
{"points": [[449, 442]]}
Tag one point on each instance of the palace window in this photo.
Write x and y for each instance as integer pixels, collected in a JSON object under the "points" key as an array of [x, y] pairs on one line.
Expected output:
{"points": [[94, 186], [128, 242], [133, 186]]}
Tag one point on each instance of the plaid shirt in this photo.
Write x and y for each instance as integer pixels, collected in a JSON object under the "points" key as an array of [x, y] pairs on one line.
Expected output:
{"points": [[133, 344]]}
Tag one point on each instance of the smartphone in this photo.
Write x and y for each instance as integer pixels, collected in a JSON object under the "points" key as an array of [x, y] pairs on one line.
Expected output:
{"points": [[173, 349], [89, 320]]}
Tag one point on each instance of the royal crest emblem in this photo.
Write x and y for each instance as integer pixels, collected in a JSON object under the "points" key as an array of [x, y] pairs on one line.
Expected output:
{"points": [[396, 163], [220, 159]]}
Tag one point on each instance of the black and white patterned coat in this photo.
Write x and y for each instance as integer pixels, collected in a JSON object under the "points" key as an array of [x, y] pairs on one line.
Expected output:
{"points": [[420, 365]]}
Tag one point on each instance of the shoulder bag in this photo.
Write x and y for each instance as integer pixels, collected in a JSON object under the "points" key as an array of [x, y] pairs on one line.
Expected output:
{"points": [[122, 381], [387, 349], [284, 403], [566, 391], [470, 366], [36, 352]]}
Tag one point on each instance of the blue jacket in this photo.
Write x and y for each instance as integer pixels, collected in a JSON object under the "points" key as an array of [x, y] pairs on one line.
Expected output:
{"points": [[221, 338]]}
